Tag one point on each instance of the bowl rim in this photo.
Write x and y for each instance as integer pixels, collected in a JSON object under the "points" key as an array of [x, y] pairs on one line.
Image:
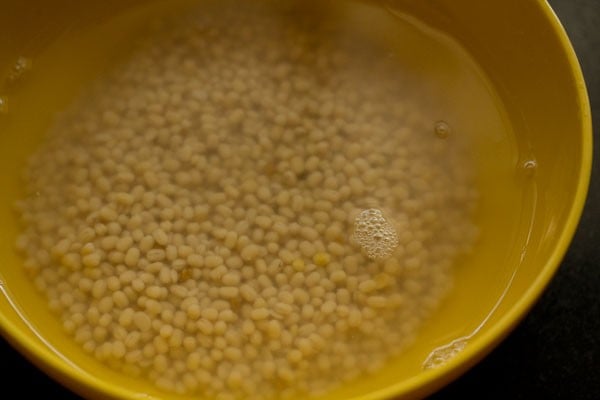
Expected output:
{"points": [[429, 381]]}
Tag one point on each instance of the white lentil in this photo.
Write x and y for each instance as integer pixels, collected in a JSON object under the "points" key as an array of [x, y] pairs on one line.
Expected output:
{"points": [[229, 292], [132, 257], [142, 321], [196, 261], [248, 293], [259, 313]]}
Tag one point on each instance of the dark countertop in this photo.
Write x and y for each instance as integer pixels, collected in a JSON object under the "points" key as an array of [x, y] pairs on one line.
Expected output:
{"points": [[555, 352]]}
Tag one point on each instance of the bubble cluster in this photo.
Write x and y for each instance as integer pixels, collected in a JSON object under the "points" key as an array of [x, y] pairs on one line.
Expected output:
{"points": [[442, 129], [190, 218], [375, 234], [443, 354]]}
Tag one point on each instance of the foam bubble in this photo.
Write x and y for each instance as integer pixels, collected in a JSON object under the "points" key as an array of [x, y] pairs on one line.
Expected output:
{"points": [[442, 129], [530, 166], [375, 234]]}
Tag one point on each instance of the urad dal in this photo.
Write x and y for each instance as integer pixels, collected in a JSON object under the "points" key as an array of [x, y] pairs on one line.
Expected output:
{"points": [[199, 218]]}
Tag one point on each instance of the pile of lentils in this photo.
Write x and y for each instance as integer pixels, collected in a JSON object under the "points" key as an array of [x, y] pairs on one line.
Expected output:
{"points": [[191, 218]]}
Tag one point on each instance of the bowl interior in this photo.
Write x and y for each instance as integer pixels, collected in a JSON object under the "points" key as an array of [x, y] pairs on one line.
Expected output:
{"points": [[537, 82]]}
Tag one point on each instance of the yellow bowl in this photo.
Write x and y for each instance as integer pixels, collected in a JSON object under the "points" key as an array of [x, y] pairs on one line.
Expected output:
{"points": [[519, 44]]}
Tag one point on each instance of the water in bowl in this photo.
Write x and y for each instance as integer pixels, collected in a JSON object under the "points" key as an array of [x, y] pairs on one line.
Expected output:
{"points": [[258, 200]]}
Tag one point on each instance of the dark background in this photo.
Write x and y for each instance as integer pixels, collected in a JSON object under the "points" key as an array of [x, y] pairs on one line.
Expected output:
{"points": [[554, 353]]}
